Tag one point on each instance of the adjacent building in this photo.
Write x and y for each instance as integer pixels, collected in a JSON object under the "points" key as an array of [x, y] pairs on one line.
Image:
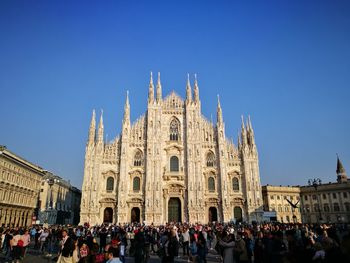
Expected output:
{"points": [[29, 194], [327, 202], [59, 201], [171, 164], [284, 200], [19, 189]]}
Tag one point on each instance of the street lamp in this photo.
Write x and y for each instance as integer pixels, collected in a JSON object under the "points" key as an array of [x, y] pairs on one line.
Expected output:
{"points": [[315, 183], [50, 181]]}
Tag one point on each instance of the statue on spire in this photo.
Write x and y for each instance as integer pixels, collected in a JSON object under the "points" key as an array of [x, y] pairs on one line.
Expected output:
{"points": [[151, 90], [196, 90], [100, 129], [188, 90], [92, 129], [126, 109], [219, 112], [159, 89]]}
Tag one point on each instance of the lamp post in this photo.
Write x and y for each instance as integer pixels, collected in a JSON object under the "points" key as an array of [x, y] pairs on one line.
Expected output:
{"points": [[315, 183], [50, 181]]}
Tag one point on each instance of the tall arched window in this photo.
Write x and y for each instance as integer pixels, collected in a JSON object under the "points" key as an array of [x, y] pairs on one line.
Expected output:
{"points": [[174, 164], [174, 130], [136, 184], [235, 184], [138, 158], [110, 184], [211, 184], [210, 159]]}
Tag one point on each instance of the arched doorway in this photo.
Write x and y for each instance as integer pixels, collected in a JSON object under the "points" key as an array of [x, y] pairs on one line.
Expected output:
{"points": [[237, 214], [135, 215], [174, 210], [213, 214], [108, 215]]}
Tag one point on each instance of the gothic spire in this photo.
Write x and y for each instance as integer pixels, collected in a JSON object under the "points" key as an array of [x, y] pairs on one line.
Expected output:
{"points": [[151, 90], [188, 90], [196, 90], [341, 173], [126, 109], [100, 129], [243, 133], [92, 129], [159, 89], [219, 112]]}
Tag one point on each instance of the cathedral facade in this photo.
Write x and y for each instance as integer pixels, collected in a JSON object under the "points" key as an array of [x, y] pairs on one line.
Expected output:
{"points": [[172, 164]]}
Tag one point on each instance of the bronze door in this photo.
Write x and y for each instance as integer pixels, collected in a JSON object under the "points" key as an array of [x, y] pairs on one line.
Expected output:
{"points": [[174, 210], [108, 215]]}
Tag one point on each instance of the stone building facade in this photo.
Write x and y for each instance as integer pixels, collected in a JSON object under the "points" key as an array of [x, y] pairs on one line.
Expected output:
{"points": [[59, 201], [284, 200], [327, 202], [19, 189], [172, 164]]}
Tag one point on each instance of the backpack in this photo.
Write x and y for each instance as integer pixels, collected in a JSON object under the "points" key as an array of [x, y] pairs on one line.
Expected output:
{"points": [[20, 243]]}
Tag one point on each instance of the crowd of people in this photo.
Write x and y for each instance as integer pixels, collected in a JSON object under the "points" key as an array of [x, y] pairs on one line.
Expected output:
{"points": [[228, 243]]}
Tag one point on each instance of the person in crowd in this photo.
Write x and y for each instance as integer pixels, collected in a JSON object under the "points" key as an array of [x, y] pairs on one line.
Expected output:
{"points": [[84, 252], [103, 238], [139, 245], [227, 243], [17, 245], [67, 247], [185, 241], [240, 249], [113, 256], [43, 238], [26, 241]]}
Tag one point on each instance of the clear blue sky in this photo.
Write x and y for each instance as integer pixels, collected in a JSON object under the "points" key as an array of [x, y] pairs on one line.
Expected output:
{"points": [[286, 63]]}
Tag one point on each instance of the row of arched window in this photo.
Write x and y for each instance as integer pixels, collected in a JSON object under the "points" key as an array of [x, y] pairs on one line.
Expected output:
{"points": [[211, 184], [174, 161], [136, 184]]}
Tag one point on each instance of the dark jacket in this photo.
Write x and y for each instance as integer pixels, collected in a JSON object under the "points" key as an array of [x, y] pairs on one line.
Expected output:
{"points": [[67, 250]]}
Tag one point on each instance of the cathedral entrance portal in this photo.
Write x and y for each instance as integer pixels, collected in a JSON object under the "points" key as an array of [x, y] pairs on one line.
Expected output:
{"points": [[237, 214], [174, 210], [108, 215], [135, 215], [213, 214]]}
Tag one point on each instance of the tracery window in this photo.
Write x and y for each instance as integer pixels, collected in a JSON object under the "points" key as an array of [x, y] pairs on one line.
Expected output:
{"points": [[235, 184], [210, 159], [211, 184], [110, 184], [138, 158], [174, 164], [174, 130], [136, 184]]}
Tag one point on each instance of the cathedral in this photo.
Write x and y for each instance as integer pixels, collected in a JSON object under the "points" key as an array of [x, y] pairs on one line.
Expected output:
{"points": [[171, 165]]}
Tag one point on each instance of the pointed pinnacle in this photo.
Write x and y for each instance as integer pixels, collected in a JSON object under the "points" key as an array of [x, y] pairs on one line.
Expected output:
{"points": [[242, 121], [151, 79]]}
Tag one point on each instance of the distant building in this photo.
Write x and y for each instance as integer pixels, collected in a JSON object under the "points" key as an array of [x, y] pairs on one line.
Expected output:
{"points": [[284, 200], [59, 201], [29, 193], [19, 189], [328, 202]]}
